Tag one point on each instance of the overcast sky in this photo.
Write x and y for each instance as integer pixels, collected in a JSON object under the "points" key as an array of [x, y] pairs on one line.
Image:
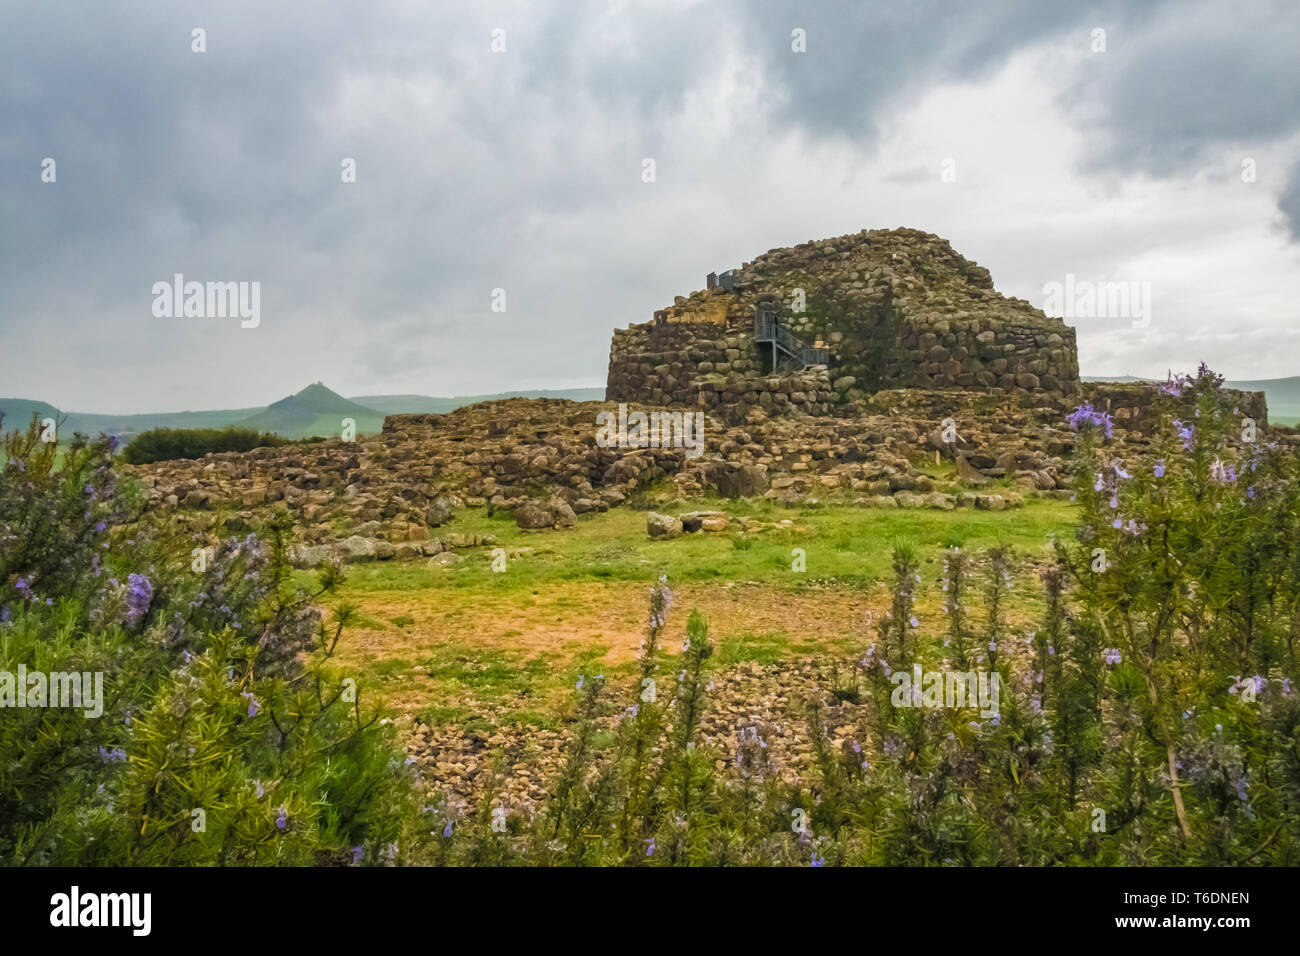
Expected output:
{"points": [[522, 170]]}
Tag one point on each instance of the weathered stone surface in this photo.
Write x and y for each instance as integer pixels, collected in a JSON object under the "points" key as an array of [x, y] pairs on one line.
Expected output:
{"points": [[747, 481], [967, 472], [662, 526], [309, 556], [562, 515], [439, 512], [533, 515], [911, 313], [357, 550], [539, 460]]}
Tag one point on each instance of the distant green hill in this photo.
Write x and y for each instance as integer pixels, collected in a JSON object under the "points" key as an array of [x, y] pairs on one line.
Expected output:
{"points": [[316, 410], [18, 412]]}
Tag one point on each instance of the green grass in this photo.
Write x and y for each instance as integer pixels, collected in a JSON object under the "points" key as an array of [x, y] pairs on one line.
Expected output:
{"points": [[504, 662], [435, 715], [759, 648], [843, 544], [489, 674]]}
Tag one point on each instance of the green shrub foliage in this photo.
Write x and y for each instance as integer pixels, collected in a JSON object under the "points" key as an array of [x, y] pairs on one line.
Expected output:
{"points": [[226, 736], [1149, 717], [165, 444]]}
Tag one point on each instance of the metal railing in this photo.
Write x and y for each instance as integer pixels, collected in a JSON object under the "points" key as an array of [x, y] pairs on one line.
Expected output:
{"points": [[767, 329]]}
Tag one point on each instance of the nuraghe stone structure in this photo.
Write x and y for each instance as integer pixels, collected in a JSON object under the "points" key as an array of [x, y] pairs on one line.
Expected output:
{"points": [[911, 335], [880, 309]]}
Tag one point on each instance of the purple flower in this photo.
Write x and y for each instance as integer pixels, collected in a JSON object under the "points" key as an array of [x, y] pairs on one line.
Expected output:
{"points": [[1085, 414], [817, 860], [1222, 474], [650, 848], [1186, 432], [1160, 468], [282, 819], [115, 755], [1174, 387], [253, 705], [446, 831], [357, 854], [1111, 655], [139, 595]]}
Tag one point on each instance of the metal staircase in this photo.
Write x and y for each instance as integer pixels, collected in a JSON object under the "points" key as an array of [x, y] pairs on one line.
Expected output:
{"points": [[787, 350]]}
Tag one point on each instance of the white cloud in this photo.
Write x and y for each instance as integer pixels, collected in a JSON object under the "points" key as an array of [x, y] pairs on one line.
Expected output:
{"points": [[522, 171]]}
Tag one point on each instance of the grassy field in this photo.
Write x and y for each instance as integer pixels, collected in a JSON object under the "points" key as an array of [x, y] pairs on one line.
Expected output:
{"points": [[467, 645]]}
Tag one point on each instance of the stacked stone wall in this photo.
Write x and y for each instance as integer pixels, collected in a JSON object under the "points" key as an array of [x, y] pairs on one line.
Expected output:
{"points": [[894, 309]]}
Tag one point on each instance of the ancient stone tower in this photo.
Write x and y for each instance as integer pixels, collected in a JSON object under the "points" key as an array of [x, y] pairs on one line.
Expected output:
{"points": [[828, 322]]}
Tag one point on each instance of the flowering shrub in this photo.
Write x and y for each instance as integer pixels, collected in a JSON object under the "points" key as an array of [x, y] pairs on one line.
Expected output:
{"points": [[225, 735], [1186, 574], [1149, 718]]}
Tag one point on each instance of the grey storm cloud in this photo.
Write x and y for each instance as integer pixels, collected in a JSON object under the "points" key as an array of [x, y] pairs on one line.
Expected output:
{"points": [[1199, 76], [872, 55], [1290, 202], [520, 171]]}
